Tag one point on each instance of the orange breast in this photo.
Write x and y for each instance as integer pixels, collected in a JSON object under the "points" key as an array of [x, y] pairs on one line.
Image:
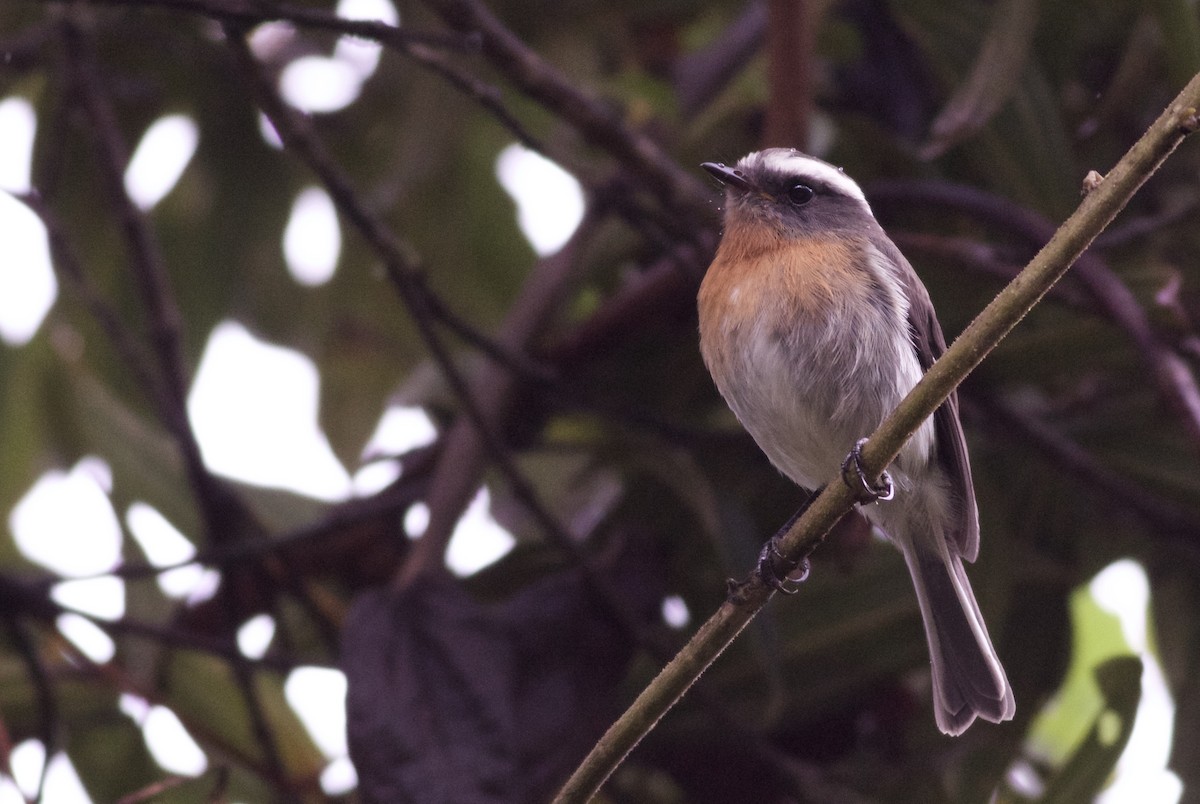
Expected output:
{"points": [[754, 284]]}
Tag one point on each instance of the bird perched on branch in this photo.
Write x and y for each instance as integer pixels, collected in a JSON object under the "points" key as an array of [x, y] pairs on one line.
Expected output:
{"points": [[814, 326]]}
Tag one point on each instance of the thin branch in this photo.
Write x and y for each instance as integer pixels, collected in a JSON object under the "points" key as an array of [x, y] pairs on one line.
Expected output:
{"points": [[154, 790], [791, 42], [1174, 379], [1176, 209], [600, 123], [119, 678], [398, 260], [518, 363], [253, 12], [424, 47], [410, 488], [993, 78], [461, 464], [701, 75], [666, 286], [47, 702], [223, 514], [1097, 210], [981, 258], [69, 268], [486, 95], [145, 261], [1168, 520]]}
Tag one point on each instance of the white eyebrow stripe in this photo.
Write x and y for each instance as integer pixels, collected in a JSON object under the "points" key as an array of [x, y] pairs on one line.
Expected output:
{"points": [[796, 163]]}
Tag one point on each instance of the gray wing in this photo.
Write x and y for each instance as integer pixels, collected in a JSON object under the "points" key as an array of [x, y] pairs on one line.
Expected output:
{"points": [[951, 444]]}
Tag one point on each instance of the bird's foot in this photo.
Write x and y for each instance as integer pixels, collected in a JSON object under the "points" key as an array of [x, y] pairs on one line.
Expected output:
{"points": [[777, 571], [860, 484]]}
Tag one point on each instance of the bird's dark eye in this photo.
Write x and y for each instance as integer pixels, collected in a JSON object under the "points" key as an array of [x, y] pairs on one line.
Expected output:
{"points": [[800, 194]]}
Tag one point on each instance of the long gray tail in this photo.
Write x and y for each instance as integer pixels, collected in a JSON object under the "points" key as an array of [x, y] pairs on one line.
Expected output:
{"points": [[968, 680]]}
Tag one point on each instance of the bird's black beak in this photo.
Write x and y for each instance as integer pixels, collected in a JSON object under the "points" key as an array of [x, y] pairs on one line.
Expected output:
{"points": [[727, 175]]}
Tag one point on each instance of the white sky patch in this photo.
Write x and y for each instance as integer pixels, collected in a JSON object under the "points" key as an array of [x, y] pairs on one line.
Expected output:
{"points": [[675, 612], [312, 239], [135, 706], [1025, 779], [549, 200], [267, 130], [102, 597], [255, 635], [320, 84], [160, 159], [165, 546], [18, 127], [27, 759], [66, 523], [162, 543], [28, 287], [400, 429], [170, 744], [362, 54], [318, 695], [269, 38], [478, 539], [316, 84], [85, 635], [339, 777], [375, 477], [167, 739], [416, 520], [254, 409], [62, 783], [1123, 590]]}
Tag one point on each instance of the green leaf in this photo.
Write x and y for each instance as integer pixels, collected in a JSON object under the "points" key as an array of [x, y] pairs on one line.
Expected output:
{"points": [[1067, 720], [1088, 769]]}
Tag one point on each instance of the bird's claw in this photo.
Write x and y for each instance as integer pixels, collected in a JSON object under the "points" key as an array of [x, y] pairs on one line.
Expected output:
{"points": [[775, 569], [856, 478]]}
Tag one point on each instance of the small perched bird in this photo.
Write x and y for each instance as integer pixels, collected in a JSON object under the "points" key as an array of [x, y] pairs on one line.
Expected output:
{"points": [[814, 326]]}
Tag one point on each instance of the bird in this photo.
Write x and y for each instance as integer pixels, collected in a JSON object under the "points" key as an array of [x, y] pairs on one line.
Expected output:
{"points": [[814, 326]]}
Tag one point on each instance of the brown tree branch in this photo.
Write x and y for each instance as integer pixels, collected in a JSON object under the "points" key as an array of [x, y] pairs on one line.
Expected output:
{"points": [[1174, 379], [599, 123], [223, 514], [1098, 209], [461, 463], [69, 269], [400, 266], [1168, 520], [791, 42], [253, 12]]}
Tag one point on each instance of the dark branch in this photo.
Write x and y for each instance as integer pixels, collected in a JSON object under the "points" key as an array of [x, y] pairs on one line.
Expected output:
{"points": [[223, 514], [601, 124], [1173, 377], [252, 12]]}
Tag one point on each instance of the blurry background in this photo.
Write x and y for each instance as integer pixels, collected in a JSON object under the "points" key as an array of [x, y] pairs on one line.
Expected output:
{"points": [[350, 400]]}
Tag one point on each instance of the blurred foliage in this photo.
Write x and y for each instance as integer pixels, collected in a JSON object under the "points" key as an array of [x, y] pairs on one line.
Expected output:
{"points": [[1080, 455]]}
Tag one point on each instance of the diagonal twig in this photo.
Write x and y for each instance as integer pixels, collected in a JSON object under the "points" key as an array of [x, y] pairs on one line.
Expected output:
{"points": [[1169, 520], [1096, 211], [222, 513], [252, 12], [399, 262], [599, 123], [1174, 379]]}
